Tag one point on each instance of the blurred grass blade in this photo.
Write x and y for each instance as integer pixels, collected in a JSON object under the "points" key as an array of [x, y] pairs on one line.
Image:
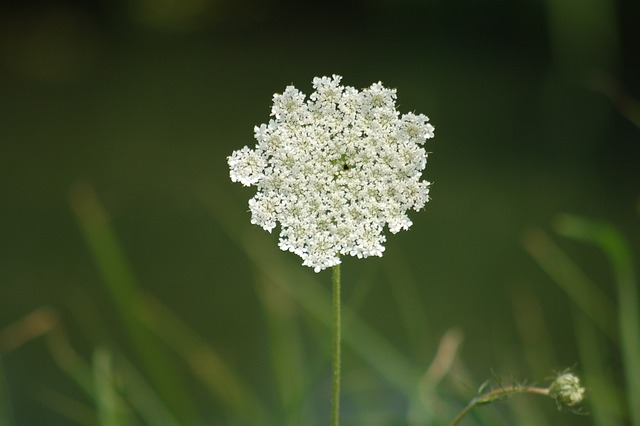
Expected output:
{"points": [[6, 411], [33, 325], [286, 348], [109, 412], [583, 33], [77, 412], [422, 408], [409, 301], [604, 403], [206, 364], [584, 293], [125, 295], [443, 359], [534, 332], [70, 362], [142, 397], [627, 105], [617, 250]]}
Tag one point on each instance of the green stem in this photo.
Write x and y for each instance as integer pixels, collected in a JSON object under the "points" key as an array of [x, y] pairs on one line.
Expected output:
{"points": [[335, 383], [497, 394]]}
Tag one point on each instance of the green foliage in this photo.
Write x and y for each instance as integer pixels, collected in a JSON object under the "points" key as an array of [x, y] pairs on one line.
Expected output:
{"points": [[124, 395], [168, 308], [594, 318]]}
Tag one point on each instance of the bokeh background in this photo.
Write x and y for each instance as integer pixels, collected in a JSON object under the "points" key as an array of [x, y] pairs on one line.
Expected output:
{"points": [[135, 290]]}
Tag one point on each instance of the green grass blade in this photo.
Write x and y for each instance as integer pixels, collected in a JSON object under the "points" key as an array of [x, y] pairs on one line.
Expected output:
{"points": [[534, 332], [583, 33], [123, 289], [408, 299], [584, 293], [206, 364], [109, 410], [142, 398], [286, 348], [617, 250], [605, 406], [76, 412], [33, 325]]}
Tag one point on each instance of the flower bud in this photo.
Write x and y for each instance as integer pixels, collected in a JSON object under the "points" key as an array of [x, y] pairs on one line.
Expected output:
{"points": [[567, 390]]}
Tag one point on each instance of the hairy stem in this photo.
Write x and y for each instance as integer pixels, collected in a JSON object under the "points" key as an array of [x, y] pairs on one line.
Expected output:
{"points": [[335, 383], [498, 394]]}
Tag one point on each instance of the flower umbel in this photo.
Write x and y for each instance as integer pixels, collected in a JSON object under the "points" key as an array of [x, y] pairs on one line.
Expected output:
{"points": [[334, 170]]}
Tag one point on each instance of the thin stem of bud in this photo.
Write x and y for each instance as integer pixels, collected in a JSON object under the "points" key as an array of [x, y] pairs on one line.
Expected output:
{"points": [[498, 394]]}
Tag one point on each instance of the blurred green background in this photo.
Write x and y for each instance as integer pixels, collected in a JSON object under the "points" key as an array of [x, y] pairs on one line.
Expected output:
{"points": [[134, 289]]}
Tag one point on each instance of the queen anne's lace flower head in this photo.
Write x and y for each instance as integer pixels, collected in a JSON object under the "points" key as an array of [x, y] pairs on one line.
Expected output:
{"points": [[334, 169]]}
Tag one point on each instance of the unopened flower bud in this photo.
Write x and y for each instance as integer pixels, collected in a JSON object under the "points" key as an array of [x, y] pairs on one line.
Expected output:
{"points": [[567, 390]]}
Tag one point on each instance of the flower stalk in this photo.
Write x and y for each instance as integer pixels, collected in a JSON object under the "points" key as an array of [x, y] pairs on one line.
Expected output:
{"points": [[566, 389], [335, 381], [496, 395]]}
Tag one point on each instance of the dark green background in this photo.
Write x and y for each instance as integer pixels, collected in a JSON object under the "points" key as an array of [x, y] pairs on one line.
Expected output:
{"points": [[144, 101]]}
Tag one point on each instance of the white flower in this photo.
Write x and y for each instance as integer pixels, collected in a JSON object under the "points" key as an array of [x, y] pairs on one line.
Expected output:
{"points": [[247, 166], [334, 170]]}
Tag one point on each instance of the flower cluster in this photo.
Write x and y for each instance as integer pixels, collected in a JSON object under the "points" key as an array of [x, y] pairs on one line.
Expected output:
{"points": [[334, 170]]}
